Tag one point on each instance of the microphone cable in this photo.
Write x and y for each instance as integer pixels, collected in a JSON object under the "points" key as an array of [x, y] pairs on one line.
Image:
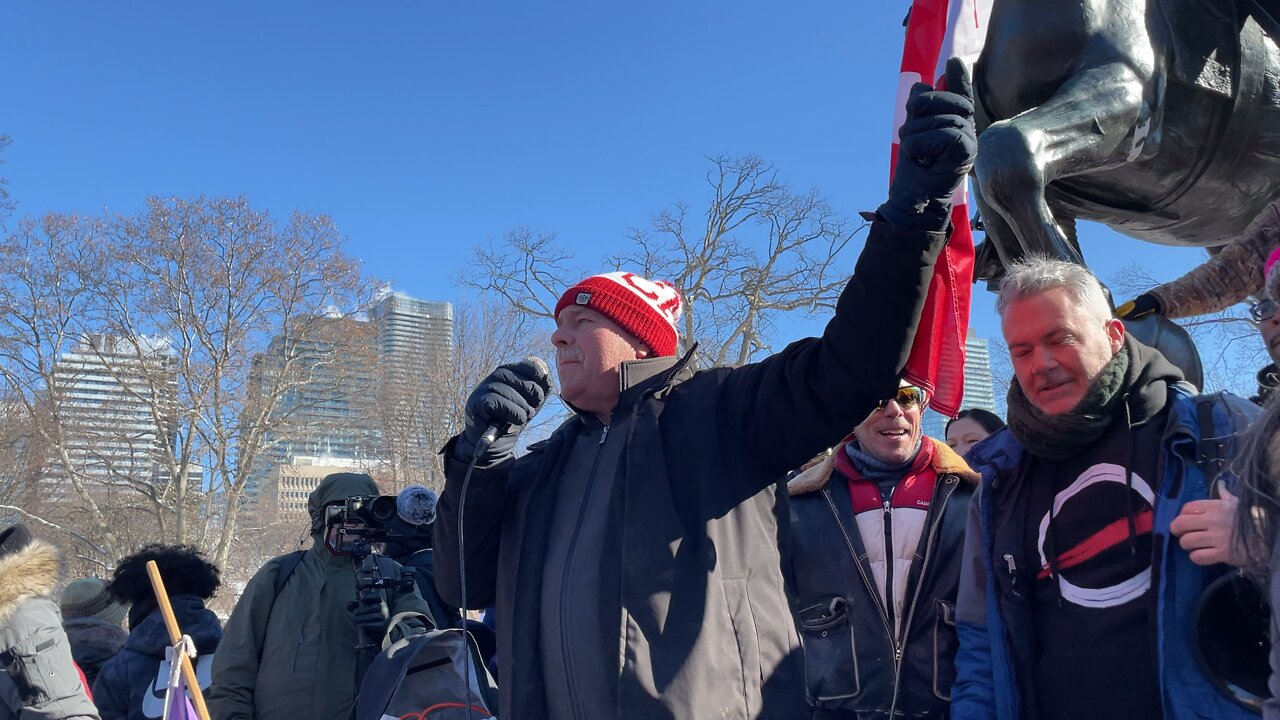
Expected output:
{"points": [[468, 667]]}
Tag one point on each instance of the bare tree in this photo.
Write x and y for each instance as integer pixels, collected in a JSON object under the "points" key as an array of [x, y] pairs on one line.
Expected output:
{"points": [[527, 269], [6, 202], [419, 413], [206, 314], [758, 251], [48, 292], [1230, 347]]}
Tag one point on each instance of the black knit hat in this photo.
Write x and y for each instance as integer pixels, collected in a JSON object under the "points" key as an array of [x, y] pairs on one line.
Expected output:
{"points": [[14, 538]]}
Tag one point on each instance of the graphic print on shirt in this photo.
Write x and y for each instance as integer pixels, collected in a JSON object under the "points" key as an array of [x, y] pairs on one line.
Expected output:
{"points": [[1093, 528]]}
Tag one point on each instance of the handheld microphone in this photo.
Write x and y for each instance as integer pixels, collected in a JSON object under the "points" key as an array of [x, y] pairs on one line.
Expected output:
{"points": [[492, 432]]}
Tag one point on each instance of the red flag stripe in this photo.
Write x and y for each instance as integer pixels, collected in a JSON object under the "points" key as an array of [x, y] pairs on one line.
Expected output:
{"points": [[937, 30]]}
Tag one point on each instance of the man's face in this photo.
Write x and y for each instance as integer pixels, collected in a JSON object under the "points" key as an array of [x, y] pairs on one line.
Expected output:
{"points": [[589, 349], [889, 434], [1269, 326], [1058, 348]]}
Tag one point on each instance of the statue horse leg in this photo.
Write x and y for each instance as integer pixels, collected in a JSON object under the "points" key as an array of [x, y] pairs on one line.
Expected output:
{"points": [[1000, 247], [1087, 124]]}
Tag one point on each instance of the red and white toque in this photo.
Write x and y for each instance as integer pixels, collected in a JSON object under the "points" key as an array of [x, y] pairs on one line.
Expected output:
{"points": [[647, 309]]}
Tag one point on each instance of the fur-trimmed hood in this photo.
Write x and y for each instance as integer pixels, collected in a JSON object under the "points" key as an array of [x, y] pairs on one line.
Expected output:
{"points": [[27, 573], [815, 475]]}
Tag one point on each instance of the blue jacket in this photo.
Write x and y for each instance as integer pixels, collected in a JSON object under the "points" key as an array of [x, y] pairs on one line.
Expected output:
{"points": [[994, 631], [129, 686]]}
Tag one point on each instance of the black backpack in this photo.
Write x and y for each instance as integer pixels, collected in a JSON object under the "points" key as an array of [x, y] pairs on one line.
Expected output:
{"points": [[437, 675]]}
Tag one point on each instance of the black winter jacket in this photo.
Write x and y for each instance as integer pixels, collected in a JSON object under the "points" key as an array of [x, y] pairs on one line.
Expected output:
{"points": [[130, 686], [424, 574], [93, 643], [705, 629], [855, 669]]}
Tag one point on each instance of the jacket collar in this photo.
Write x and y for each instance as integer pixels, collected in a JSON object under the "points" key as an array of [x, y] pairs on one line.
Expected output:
{"points": [[815, 476], [637, 377], [633, 373]]}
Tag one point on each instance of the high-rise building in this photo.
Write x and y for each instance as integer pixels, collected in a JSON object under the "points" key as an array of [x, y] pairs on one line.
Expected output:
{"points": [[413, 334], [322, 378], [114, 399], [979, 390], [357, 391], [415, 338]]}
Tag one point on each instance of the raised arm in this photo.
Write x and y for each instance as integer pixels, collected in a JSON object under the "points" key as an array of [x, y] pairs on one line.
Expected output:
{"points": [[808, 396]]}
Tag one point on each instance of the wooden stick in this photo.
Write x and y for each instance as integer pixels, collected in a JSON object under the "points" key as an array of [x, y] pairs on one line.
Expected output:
{"points": [[175, 637]]}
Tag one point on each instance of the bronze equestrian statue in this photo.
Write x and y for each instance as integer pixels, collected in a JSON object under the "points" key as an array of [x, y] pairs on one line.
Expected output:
{"points": [[1160, 119]]}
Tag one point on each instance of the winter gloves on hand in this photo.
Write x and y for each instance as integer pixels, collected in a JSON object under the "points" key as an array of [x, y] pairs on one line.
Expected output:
{"points": [[507, 399], [936, 148], [1140, 307]]}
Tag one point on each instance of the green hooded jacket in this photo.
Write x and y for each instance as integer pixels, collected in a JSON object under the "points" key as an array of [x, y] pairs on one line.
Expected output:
{"points": [[297, 660]]}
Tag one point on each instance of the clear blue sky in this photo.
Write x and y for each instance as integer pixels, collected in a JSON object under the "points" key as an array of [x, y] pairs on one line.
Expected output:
{"points": [[426, 127]]}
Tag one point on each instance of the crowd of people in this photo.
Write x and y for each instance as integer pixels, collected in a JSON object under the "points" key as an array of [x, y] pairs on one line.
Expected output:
{"points": [[778, 540]]}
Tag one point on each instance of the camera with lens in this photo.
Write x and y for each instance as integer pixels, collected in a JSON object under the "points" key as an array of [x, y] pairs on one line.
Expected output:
{"points": [[361, 528], [355, 526]]}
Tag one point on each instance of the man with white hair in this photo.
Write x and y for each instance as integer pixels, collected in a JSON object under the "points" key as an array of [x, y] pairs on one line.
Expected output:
{"points": [[1096, 526]]}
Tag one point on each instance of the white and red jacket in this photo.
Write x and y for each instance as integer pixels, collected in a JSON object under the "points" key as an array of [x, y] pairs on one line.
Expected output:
{"points": [[875, 583], [895, 521]]}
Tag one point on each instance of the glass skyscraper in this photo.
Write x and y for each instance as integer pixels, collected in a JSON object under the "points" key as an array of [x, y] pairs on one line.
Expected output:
{"points": [[979, 390]]}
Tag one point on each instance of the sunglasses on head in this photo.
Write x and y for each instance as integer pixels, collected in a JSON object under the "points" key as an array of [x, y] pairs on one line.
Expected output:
{"points": [[1261, 311], [908, 396]]}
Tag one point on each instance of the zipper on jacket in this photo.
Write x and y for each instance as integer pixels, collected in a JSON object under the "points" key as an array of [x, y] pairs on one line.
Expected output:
{"points": [[1013, 575], [565, 639], [889, 605], [853, 554], [899, 643]]}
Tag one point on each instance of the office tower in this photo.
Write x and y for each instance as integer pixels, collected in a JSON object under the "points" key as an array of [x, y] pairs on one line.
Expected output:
{"points": [[114, 400], [357, 391], [413, 334], [979, 391], [415, 339], [322, 378]]}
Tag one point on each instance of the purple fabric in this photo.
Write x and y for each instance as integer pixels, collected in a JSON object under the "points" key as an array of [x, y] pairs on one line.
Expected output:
{"points": [[180, 707]]}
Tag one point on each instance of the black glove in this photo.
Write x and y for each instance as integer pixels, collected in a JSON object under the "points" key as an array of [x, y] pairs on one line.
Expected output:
{"points": [[371, 615], [936, 148], [1140, 307], [508, 398]]}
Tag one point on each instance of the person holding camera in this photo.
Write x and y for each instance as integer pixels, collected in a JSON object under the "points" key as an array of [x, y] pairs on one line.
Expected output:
{"points": [[288, 650], [633, 557]]}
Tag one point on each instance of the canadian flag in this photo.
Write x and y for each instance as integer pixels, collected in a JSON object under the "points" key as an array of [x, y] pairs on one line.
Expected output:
{"points": [[938, 30]]}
